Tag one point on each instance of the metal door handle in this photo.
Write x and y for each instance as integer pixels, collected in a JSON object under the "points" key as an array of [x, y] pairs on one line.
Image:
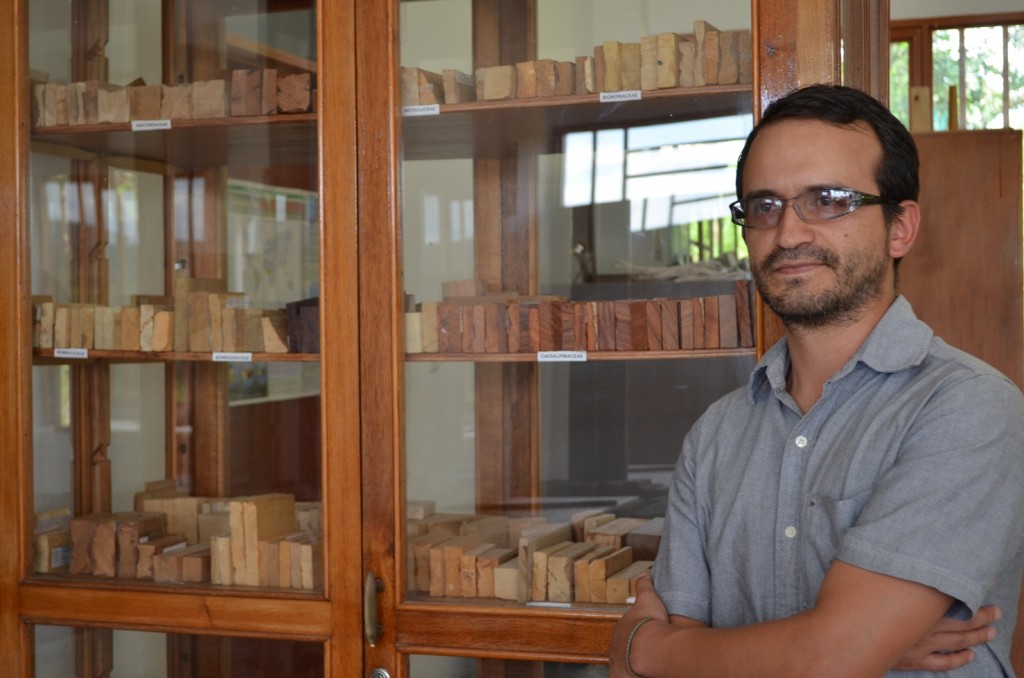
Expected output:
{"points": [[371, 628]]}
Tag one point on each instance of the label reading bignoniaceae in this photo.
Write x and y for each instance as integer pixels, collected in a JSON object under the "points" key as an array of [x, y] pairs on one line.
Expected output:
{"points": [[628, 95], [234, 357], [79, 353]]}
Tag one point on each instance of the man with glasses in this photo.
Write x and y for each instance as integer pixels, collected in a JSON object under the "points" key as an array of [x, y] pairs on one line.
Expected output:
{"points": [[858, 508]]}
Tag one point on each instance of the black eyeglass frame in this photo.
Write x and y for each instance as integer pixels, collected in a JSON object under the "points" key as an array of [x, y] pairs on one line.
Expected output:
{"points": [[857, 199]]}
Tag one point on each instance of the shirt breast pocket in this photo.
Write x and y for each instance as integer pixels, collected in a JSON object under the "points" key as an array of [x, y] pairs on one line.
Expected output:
{"points": [[825, 520]]}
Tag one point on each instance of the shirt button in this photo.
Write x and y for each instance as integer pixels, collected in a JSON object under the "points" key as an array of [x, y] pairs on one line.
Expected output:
{"points": [[801, 441], [790, 532]]}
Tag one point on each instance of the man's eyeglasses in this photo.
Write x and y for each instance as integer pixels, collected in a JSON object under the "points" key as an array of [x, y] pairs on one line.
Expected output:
{"points": [[820, 204]]}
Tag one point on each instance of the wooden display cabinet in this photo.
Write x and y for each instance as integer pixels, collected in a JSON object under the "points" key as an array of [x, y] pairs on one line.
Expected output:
{"points": [[348, 150]]}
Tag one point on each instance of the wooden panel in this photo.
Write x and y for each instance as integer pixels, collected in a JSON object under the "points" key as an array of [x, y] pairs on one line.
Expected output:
{"points": [[963, 275]]}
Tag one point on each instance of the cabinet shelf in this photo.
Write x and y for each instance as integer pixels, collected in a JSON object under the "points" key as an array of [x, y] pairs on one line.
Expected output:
{"points": [[465, 130], [286, 139], [47, 357], [591, 356]]}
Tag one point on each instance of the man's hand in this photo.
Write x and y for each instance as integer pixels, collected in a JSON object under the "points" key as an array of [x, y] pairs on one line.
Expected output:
{"points": [[948, 645], [647, 604]]}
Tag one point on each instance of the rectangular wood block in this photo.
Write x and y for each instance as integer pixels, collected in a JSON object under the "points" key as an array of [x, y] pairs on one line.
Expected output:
{"points": [[711, 323], [728, 330], [699, 337]]}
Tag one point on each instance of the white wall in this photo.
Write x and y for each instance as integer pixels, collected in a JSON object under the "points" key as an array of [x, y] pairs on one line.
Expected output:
{"points": [[919, 9]]}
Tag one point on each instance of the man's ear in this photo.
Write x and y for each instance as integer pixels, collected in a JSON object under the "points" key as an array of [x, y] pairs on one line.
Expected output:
{"points": [[903, 230]]}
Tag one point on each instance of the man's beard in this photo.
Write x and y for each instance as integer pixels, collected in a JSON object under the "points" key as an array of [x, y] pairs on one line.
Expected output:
{"points": [[858, 281]]}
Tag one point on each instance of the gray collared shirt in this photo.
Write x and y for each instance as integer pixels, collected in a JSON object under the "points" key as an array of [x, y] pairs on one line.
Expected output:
{"points": [[911, 464]]}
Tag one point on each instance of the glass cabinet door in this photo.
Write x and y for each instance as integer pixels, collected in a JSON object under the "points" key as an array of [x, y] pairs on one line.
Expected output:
{"points": [[174, 213], [575, 292]]}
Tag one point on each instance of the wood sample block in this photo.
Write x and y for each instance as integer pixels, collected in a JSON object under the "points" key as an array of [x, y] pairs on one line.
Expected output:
{"points": [[103, 330], [518, 526], [274, 333], [154, 547], [607, 319], [44, 316], [459, 87], [286, 546], [585, 75], [561, 567], [268, 92], [468, 571], [294, 93], [486, 563], [746, 66], [603, 567], [428, 322], [629, 77], [711, 321], [541, 558], [669, 324], [255, 519], [667, 60], [549, 320], [565, 78], [686, 327], [488, 529], [310, 564], [195, 564], [529, 328], [506, 580], [622, 584], [413, 335], [76, 103], [156, 489], [145, 102], [167, 566], [419, 509], [649, 62], [646, 539], [221, 571], [421, 87], [420, 547], [581, 573], [654, 328], [447, 523], [213, 523], [706, 71], [593, 522], [51, 551], [461, 290], [182, 514], [745, 312], [449, 328], [82, 529], [162, 336], [531, 541], [210, 99], [609, 65], [613, 533], [496, 82], [495, 328], [242, 81], [176, 102], [729, 57], [451, 555], [56, 104], [526, 79], [688, 64], [699, 337], [134, 529], [546, 73]]}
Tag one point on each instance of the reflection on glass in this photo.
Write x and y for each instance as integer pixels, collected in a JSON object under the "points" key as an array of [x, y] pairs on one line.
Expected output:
{"points": [[899, 81], [565, 228], [423, 666]]}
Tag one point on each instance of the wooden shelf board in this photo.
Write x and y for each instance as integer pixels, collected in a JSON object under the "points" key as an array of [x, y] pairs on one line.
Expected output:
{"points": [[591, 356], [467, 130], [285, 139], [46, 357]]}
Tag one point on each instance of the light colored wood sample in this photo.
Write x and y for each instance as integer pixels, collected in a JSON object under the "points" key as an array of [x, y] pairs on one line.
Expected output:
{"points": [[421, 87], [496, 82], [176, 102], [420, 547], [585, 75], [132, 530], [294, 93], [729, 57], [667, 70], [526, 79], [613, 533], [264, 516], [611, 57], [561, 568], [182, 514], [622, 584], [581, 573], [629, 77], [221, 572], [145, 102], [51, 551], [546, 72], [649, 62], [604, 567], [468, 570], [485, 567], [506, 580], [541, 558], [532, 540], [153, 547], [210, 99], [452, 551], [706, 71], [195, 564], [459, 87]]}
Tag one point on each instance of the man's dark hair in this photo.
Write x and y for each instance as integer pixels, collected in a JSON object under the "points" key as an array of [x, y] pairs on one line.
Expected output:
{"points": [[897, 175]]}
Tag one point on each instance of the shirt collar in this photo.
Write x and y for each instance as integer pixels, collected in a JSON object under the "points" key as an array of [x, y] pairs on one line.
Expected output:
{"points": [[899, 341]]}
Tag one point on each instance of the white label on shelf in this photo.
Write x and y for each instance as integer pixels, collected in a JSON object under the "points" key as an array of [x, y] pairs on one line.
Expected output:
{"points": [[561, 356], [60, 556], [547, 603], [71, 353], [628, 95], [149, 125], [239, 302], [226, 357], [425, 109]]}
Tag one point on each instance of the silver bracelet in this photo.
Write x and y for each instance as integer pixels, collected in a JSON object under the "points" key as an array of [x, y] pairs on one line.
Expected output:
{"points": [[629, 645]]}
